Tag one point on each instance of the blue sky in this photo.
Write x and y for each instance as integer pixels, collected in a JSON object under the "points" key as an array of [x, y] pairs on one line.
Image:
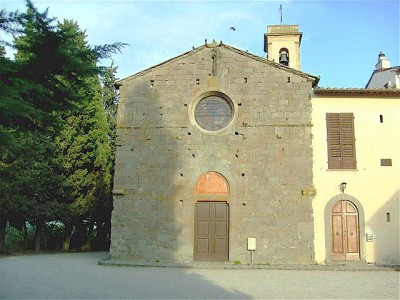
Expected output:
{"points": [[341, 39]]}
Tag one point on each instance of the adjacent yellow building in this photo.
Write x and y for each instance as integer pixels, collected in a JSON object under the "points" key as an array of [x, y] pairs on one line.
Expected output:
{"points": [[356, 154]]}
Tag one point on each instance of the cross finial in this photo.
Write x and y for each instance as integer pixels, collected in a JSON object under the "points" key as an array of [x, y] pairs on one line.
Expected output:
{"points": [[280, 8]]}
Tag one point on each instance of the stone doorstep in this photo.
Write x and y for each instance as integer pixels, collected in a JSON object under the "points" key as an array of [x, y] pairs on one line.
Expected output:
{"points": [[352, 266]]}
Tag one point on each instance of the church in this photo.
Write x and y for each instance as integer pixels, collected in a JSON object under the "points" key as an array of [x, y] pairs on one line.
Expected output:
{"points": [[215, 160]]}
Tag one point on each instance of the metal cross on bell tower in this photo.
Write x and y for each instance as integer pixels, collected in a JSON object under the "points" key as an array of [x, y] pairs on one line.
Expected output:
{"points": [[280, 9]]}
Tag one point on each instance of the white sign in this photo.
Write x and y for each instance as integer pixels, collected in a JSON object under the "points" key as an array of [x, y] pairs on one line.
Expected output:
{"points": [[251, 244]]}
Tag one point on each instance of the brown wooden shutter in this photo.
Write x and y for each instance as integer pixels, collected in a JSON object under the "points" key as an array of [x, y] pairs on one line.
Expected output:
{"points": [[348, 141], [341, 142], [334, 149]]}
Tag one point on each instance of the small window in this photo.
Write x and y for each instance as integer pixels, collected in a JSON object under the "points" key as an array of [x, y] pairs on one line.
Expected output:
{"points": [[387, 217], [341, 141]]}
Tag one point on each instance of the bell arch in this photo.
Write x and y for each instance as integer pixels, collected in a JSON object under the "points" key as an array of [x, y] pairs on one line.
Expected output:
{"points": [[212, 183], [284, 56]]}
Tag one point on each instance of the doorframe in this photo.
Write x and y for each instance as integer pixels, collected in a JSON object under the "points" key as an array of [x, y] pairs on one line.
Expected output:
{"points": [[328, 229]]}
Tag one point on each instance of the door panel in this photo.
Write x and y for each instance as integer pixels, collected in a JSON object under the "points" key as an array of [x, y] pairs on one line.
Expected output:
{"points": [[337, 208], [203, 228], [352, 234], [202, 246], [220, 246], [203, 210], [345, 232], [211, 231], [220, 229], [350, 208], [337, 234], [220, 211]]}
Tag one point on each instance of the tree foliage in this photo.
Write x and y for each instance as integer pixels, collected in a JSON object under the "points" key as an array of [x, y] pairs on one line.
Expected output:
{"points": [[56, 125], [47, 72]]}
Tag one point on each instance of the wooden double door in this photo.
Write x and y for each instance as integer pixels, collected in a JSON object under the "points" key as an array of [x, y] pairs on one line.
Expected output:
{"points": [[211, 231], [345, 232]]}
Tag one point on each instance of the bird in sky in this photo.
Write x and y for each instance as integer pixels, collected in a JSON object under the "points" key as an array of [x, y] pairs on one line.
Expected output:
{"points": [[233, 28]]}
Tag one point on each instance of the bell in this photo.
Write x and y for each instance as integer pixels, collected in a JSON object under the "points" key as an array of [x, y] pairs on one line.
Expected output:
{"points": [[283, 59]]}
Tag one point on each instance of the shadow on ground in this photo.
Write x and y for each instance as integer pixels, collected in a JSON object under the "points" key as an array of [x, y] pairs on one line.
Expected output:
{"points": [[78, 275]]}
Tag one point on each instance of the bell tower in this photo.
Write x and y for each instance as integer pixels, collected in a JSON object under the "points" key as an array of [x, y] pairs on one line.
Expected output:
{"points": [[282, 44]]}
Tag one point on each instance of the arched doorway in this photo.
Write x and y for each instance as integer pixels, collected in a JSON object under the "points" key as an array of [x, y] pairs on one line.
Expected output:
{"points": [[345, 232], [211, 219]]}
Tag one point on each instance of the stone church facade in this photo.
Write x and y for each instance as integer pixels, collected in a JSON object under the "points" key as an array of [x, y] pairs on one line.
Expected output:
{"points": [[215, 147]]}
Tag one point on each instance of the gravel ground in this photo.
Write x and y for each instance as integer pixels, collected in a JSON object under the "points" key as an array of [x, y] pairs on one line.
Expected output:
{"points": [[79, 276]]}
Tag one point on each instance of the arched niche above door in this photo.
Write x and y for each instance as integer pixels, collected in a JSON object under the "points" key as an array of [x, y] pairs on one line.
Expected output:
{"points": [[212, 183]]}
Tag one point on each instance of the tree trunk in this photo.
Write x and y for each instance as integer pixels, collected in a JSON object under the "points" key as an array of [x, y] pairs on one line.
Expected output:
{"points": [[67, 235], [38, 234], [105, 234], [3, 225], [88, 244], [102, 234], [25, 236], [79, 237]]}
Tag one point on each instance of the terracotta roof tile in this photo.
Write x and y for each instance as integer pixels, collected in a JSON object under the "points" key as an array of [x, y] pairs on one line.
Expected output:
{"points": [[355, 91]]}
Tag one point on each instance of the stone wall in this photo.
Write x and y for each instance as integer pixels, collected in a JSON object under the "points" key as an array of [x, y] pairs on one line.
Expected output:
{"points": [[265, 155]]}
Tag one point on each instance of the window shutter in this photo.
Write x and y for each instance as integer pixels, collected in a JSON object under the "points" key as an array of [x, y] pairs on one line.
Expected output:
{"points": [[334, 148], [341, 142], [348, 141]]}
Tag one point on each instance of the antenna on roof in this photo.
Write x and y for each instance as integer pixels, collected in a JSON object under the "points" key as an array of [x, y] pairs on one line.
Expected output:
{"points": [[280, 8]]}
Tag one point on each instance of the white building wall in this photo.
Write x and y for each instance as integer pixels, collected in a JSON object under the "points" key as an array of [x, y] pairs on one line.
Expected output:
{"points": [[389, 77]]}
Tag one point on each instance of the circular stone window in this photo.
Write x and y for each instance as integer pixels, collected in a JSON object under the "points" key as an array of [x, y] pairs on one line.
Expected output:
{"points": [[213, 113]]}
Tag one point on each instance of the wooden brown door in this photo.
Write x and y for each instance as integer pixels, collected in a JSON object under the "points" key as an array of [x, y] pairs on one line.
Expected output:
{"points": [[211, 231], [345, 232]]}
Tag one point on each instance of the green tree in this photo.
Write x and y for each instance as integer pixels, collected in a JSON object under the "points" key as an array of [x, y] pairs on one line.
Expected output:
{"points": [[84, 147], [46, 73], [31, 183], [110, 96], [50, 79]]}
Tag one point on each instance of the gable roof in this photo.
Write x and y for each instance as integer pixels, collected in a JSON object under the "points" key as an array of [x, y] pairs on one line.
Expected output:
{"points": [[214, 44]]}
